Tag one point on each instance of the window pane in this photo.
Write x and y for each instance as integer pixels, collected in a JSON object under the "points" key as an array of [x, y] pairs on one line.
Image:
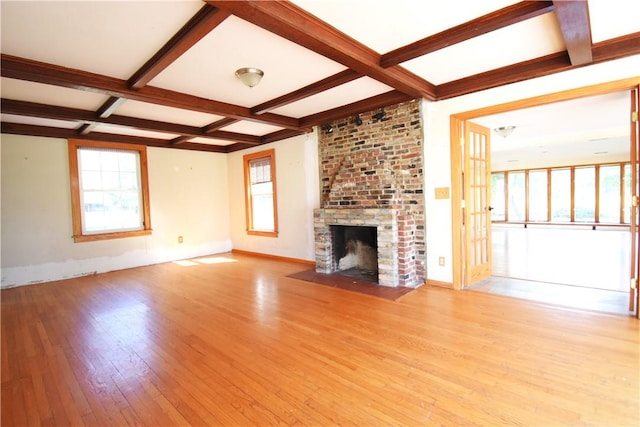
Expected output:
{"points": [[516, 196], [627, 194], [497, 197], [538, 195], [561, 195], [610, 194], [110, 195], [260, 186], [585, 194]]}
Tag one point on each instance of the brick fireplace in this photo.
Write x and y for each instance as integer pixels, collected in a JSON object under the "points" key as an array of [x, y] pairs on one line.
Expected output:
{"points": [[372, 176]]}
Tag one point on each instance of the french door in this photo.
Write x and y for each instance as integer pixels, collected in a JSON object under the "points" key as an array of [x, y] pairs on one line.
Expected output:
{"points": [[634, 292], [477, 203]]}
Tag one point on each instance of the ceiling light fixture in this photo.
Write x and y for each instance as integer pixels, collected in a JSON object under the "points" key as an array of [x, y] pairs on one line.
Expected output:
{"points": [[504, 131], [249, 76]]}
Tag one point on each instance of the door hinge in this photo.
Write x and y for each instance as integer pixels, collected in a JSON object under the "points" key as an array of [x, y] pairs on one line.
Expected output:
{"points": [[634, 283], [634, 201], [634, 116]]}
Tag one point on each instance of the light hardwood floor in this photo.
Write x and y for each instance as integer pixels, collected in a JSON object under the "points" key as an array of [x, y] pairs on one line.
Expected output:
{"points": [[566, 266], [230, 340]]}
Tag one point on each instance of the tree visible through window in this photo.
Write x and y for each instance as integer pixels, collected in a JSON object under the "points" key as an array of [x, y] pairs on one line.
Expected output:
{"points": [[109, 190], [260, 192]]}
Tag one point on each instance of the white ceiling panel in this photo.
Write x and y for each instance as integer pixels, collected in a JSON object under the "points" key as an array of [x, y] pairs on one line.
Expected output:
{"points": [[106, 128], [21, 90], [611, 19], [208, 69], [36, 121], [493, 50], [209, 141], [145, 110], [550, 133], [384, 25], [347, 93], [251, 128], [111, 38]]}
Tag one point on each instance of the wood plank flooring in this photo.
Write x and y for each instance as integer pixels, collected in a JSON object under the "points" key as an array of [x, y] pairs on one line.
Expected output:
{"points": [[566, 266], [230, 340], [566, 255]]}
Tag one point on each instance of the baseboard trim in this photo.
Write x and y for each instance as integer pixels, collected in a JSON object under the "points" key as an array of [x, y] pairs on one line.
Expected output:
{"points": [[438, 283], [274, 257]]}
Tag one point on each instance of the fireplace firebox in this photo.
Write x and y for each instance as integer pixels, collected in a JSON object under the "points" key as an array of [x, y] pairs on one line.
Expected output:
{"points": [[356, 251], [381, 223]]}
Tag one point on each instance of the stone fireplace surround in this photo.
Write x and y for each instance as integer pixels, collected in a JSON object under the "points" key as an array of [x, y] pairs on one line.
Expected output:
{"points": [[387, 234], [372, 174]]}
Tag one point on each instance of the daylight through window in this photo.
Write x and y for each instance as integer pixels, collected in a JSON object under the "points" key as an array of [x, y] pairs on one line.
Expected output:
{"points": [[109, 193], [260, 190]]}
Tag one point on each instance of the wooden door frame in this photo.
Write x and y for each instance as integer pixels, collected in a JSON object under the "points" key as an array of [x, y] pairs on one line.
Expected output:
{"points": [[456, 137]]}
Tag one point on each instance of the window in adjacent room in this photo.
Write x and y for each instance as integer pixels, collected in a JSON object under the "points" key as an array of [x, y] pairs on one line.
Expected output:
{"points": [[260, 193], [109, 190]]}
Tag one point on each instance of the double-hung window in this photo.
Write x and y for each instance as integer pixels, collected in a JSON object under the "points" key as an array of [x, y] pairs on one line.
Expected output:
{"points": [[109, 190], [260, 193]]}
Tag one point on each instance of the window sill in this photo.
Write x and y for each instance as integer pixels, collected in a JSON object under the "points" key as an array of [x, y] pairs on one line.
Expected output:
{"points": [[109, 236]]}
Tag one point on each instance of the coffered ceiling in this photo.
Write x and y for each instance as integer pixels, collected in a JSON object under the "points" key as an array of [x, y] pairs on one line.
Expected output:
{"points": [[161, 73]]}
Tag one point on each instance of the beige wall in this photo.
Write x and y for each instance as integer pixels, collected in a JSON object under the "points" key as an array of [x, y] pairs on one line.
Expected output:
{"points": [[298, 194], [188, 194]]}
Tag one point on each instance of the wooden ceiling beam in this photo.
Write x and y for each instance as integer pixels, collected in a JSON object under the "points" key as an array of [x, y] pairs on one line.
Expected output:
{"points": [[493, 21], [378, 101], [293, 23], [25, 69], [281, 134], [617, 48], [31, 109], [218, 125], [313, 89], [526, 70], [201, 24], [573, 17], [110, 106], [608, 50], [53, 132]]}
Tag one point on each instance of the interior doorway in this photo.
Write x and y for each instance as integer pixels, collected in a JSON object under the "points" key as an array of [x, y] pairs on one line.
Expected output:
{"points": [[512, 271]]}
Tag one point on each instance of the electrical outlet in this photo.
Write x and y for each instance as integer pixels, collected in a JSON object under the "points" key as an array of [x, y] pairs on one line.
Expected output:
{"points": [[180, 239], [441, 261]]}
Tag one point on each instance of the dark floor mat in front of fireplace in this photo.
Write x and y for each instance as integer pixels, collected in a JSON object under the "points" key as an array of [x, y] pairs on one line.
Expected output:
{"points": [[353, 284]]}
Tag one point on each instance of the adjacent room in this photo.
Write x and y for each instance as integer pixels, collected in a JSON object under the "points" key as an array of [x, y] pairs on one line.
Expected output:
{"points": [[250, 213], [549, 161]]}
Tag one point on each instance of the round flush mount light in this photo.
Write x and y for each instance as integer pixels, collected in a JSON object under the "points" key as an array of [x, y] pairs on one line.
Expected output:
{"points": [[249, 76], [504, 131]]}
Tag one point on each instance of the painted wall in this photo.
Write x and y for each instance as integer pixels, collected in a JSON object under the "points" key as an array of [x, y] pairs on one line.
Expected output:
{"points": [[297, 180], [188, 195], [437, 143]]}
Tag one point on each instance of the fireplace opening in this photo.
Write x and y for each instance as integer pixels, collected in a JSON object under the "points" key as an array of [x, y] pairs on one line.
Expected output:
{"points": [[356, 251]]}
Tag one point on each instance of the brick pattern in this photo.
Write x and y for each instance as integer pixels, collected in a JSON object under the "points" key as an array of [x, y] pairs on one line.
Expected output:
{"points": [[378, 165]]}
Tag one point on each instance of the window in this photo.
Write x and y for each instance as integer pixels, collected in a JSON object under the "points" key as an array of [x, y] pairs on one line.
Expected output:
{"points": [[517, 194], [584, 195], [260, 193], [561, 195], [610, 195], [109, 190], [538, 195], [498, 202], [597, 193]]}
